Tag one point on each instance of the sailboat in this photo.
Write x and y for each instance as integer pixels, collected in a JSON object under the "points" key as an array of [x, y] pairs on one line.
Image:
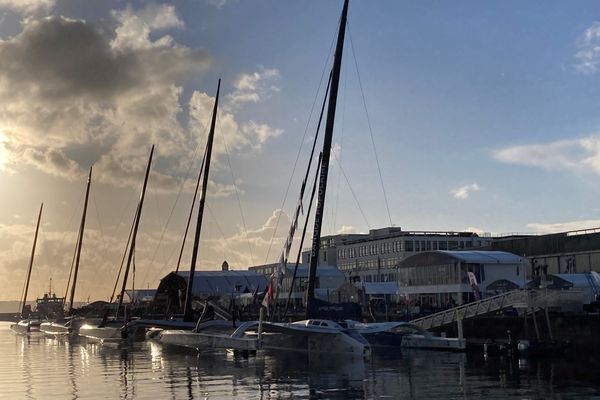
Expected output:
{"points": [[70, 324], [178, 336], [28, 324], [314, 336], [117, 329]]}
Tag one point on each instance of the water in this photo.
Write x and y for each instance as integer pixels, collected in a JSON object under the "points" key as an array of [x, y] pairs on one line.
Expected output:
{"points": [[35, 367]]}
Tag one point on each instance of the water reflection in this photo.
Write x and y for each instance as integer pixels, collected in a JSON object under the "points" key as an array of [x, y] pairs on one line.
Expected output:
{"points": [[38, 367]]}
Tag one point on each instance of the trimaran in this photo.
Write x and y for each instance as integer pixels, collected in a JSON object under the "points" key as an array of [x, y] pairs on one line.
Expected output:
{"points": [[309, 335]]}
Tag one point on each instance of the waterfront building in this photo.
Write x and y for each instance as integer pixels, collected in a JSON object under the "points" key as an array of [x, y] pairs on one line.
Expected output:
{"points": [[171, 290], [372, 257], [328, 279], [557, 253], [438, 279]]}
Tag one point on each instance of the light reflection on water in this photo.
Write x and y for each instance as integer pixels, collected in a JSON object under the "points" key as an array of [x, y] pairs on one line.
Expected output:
{"points": [[36, 367]]}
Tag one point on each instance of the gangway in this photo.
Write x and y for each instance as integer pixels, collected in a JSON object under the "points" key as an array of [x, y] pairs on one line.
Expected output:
{"points": [[523, 299]]}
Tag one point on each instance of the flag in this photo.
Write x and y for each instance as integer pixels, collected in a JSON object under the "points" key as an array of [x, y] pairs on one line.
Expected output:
{"points": [[268, 295], [474, 284]]}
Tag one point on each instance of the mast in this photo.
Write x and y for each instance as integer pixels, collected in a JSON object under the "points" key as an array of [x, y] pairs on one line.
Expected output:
{"points": [[187, 312], [335, 79], [80, 241], [135, 229], [37, 228]]}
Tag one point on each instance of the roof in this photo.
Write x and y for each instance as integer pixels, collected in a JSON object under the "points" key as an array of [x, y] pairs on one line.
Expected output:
{"points": [[581, 279], [465, 256], [484, 257], [225, 282]]}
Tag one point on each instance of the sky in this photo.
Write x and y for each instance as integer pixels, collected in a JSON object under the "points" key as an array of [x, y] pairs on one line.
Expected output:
{"points": [[468, 115]]}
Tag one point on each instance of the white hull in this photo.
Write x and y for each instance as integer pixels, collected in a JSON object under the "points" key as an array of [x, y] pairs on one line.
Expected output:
{"points": [[275, 338], [110, 332], [201, 341], [61, 328], [21, 327]]}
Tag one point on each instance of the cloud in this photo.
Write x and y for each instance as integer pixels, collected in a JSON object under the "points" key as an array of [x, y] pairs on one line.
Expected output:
{"points": [[254, 87], [588, 53], [463, 192], [344, 230], [137, 25], [217, 3], [233, 135], [564, 226], [28, 6], [73, 94], [578, 155], [479, 231]]}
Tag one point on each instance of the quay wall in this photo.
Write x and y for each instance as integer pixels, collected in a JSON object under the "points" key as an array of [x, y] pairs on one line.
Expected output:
{"points": [[581, 330]]}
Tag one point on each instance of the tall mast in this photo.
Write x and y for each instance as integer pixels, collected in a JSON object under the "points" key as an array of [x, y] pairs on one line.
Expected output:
{"points": [[80, 241], [187, 312], [135, 229], [335, 79], [37, 228]]}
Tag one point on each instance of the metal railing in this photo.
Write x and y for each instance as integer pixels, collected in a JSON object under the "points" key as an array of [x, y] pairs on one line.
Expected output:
{"points": [[514, 299]]}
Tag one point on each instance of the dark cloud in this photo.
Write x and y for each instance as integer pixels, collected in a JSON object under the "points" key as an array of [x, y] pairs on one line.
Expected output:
{"points": [[58, 57]]}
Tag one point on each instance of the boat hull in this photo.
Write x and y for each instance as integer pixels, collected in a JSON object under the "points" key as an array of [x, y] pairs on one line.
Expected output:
{"points": [[110, 332], [21, 327], [200, 341], [59, 328]]}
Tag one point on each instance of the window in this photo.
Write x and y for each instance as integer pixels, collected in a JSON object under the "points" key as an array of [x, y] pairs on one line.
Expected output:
{"points": [[408, 245]]}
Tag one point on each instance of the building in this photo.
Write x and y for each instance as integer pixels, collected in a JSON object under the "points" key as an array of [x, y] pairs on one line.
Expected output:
{"points": [[439, 278], [556, 253], [372, 257], [328, 280], [171, 291]]}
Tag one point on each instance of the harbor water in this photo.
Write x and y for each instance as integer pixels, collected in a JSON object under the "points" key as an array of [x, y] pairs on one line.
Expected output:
{"points": [[36, 367]]}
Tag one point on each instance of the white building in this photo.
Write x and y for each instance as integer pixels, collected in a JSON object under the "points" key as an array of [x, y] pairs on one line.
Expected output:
{"points": [[371, 257], [439, 278]]}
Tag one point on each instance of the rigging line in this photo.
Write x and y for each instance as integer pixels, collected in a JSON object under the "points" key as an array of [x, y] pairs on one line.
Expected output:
{"points": [[237, 195], [77, 236], [187, 225], [337, 192], [186, 176], [312, 197], [218, 227], [112, 296], [350, 187], [327, 61], [370, 128], [104, 243], [173, 251], [71, 269]]}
